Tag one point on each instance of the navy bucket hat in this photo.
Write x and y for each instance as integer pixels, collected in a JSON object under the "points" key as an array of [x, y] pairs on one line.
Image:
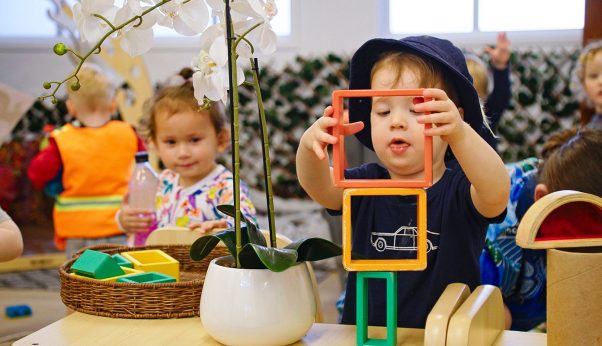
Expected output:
{"points": [[440, 51]]}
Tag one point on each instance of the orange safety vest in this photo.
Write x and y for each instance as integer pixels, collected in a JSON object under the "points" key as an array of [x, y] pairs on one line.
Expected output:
{"points": [[96, 166]]}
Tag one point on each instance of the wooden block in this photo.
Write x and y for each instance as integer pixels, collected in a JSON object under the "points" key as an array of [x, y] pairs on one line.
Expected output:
{"points": [[437, 321], [479, 320], [338, 150], [528, 228], [419, 263]]}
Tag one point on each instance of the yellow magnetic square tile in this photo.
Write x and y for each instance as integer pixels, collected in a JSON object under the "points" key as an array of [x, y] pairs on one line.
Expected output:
{"points": [[154, 261], [418, 263]]}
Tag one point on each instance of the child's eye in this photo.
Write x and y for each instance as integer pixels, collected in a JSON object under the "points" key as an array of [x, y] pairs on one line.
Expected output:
{"points": [[414, 112], [169, 141], [195, 139], [382, 111]]}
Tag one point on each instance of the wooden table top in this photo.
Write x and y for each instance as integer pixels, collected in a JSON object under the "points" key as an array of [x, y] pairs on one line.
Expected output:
{"points": [[83, 329]]}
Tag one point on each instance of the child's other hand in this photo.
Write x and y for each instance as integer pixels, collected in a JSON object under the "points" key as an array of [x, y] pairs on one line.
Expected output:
{"points": [[135, 220], [208, 226], [500, 54], [445, 116], [319, 134]]}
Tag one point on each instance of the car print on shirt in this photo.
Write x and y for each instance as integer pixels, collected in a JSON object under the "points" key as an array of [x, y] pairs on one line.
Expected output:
{"points": [[403, 239]]}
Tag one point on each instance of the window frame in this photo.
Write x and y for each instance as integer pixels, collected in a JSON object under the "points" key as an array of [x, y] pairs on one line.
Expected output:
{"points": [[478, 38]]}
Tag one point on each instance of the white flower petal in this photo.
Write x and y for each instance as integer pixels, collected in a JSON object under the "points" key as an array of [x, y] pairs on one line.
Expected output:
{"points": [[219, 51], [137, 41], [192, 18], [240, 75]]}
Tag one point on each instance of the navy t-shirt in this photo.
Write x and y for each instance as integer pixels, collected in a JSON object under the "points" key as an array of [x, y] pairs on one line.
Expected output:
{"points": [[456, 236]]}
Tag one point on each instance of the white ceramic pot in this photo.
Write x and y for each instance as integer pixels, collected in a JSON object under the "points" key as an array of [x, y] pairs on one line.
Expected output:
{"points": [[256, 306]]}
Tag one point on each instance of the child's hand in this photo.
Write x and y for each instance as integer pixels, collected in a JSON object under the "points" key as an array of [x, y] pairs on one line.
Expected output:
{"points": [[207, 226], [319, 134], [134, 220], [500, 54], [445, 116]]}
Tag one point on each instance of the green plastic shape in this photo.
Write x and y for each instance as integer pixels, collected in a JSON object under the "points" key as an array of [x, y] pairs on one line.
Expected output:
{"points": [[96, 265], [122, 261], [362, 308], [147, 278]]}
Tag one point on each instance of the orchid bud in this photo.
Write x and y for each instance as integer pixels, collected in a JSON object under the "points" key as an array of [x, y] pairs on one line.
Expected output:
{"points": [[75, 86], [46, 85], [60, 49]]}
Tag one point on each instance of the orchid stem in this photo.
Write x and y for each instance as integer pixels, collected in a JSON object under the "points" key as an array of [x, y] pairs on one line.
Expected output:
{"points": [[266, 153], [234, 126]]}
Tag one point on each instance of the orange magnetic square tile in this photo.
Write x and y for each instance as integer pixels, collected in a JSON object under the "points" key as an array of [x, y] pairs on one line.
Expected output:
{"points": [[419, 263], [338, 149]]}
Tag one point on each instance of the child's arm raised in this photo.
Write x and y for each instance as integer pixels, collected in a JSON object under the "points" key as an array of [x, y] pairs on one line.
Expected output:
{"points": [[313, 170], [482, 165]]}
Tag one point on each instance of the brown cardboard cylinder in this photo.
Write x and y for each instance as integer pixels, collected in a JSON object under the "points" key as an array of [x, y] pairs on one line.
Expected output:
{"points": [[574, 297]]}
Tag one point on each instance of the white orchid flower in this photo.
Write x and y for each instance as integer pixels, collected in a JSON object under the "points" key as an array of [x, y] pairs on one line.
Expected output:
{"points": [[136, 37], [188, 18], [244, 17], [262, 11], [211, 67], [92, 28]]}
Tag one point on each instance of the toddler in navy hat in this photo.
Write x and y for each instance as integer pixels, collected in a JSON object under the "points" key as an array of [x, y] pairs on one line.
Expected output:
{"points": [[465, 197]]}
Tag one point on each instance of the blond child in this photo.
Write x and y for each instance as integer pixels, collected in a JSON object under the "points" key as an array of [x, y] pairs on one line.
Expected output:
{"points": [[188, 140], [11, 241], [589, 85], [95, 155], [461, 203]]}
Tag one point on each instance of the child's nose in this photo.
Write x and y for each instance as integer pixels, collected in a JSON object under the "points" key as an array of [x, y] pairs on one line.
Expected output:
{"points": [[399, 120], [182, 150]]}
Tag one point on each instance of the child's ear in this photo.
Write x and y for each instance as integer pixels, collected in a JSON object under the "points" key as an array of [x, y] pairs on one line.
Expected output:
{"points": [[112, 108], [70, 108], [540, 191], [223, 140]]}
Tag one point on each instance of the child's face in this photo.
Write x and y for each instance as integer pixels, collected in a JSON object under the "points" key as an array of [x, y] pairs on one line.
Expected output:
{"points": [[397, 138], [188, 144], [592, 81]]}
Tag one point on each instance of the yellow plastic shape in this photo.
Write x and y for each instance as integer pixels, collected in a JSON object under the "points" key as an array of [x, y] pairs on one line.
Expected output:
{"points": [[418, 263], [127, 271], [154, 260], [338, 149]]}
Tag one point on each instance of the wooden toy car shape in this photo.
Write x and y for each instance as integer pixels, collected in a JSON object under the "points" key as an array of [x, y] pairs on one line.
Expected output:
{"points": [[419, 239], [338, 149]]}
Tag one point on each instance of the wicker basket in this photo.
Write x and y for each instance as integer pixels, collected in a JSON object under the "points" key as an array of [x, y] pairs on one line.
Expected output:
{"points": [[129, 300]]}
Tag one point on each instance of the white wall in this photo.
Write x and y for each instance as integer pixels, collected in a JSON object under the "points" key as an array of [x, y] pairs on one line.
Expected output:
{"points": [[319, 26]]}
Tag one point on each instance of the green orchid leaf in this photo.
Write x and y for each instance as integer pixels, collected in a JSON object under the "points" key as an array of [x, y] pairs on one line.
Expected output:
{"points": [[253, 232], [203, 246], [314, 249], [253, 256]]}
